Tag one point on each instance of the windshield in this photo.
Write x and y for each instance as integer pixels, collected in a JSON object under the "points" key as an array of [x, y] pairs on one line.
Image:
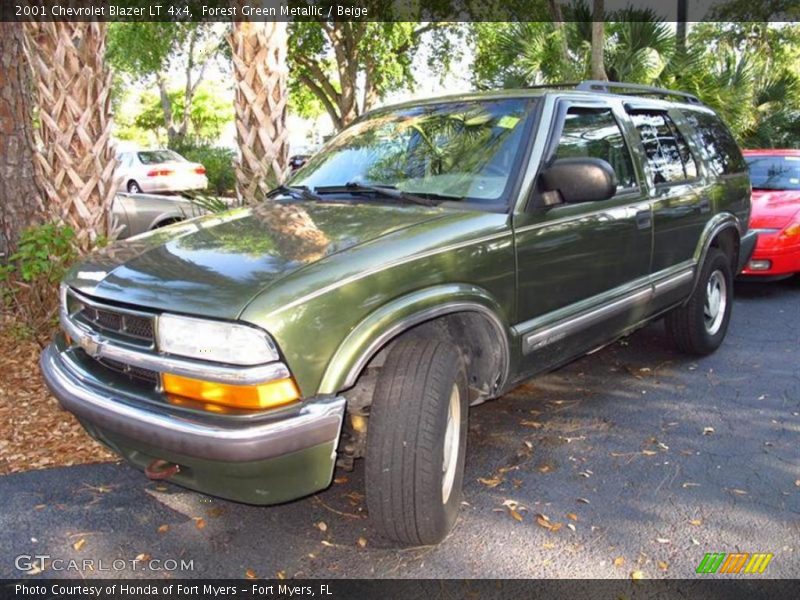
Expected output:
{"points": [[774, 172], [464, 150], [154, 157]]}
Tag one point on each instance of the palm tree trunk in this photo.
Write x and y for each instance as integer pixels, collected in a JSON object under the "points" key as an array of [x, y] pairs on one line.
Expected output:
{"points": [[259, 60], [73, 92], [598, 41], [680, 33], [20, 195]]}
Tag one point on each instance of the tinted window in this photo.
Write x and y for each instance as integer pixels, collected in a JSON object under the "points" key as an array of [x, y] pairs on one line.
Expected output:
{"points": [[594, 133], [721, 149], [667, 151], [774, 172]]}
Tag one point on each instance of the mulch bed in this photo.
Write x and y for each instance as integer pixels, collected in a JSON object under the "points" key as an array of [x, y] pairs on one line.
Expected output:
{"points": [[35, 432]]}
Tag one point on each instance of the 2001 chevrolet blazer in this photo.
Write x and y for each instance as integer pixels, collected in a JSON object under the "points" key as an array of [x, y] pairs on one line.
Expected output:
{"points": [[431, 257]]}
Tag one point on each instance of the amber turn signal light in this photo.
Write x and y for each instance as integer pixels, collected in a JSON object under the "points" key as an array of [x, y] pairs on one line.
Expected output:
{"points": [[269, 394]]}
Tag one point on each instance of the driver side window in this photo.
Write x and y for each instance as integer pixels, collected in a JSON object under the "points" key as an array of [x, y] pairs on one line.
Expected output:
{"points": [[594, 133]]}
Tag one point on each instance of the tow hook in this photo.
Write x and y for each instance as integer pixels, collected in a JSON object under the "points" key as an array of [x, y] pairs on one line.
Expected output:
{"points": [[160, 469]]}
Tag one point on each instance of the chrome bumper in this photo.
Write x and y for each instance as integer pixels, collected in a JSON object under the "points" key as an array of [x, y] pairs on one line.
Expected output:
{"points": [[317, 422]]}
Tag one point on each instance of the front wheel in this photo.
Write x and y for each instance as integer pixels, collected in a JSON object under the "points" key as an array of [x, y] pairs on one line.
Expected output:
{"points": [[700, 325], [416, 442]]}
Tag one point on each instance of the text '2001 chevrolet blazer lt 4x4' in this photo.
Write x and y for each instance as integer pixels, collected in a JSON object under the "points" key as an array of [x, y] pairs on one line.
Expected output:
{"points": [[429, 258]]}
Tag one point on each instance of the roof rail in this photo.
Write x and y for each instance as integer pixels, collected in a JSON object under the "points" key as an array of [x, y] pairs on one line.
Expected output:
{"points": [[618, 87]]}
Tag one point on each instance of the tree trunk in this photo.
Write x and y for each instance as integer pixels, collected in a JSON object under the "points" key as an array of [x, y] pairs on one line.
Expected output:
{"points": [[20, 195], [598, 69], [75, 158], [681, 26], [557, 17], [260, 71]]}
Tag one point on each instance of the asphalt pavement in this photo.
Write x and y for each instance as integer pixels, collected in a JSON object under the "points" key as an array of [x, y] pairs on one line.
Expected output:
{"points": [[635, 459]]}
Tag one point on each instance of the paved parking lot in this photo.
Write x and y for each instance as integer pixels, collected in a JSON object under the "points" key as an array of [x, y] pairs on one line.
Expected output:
{"points": [[634, 459]]}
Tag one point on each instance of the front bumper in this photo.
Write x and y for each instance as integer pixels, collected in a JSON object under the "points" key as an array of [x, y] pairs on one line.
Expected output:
{"points": [[257, 460]]}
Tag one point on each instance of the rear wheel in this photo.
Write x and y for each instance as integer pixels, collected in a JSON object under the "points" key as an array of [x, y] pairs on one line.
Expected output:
{"points": [[133, 188], [700, 325], [416, 442]]}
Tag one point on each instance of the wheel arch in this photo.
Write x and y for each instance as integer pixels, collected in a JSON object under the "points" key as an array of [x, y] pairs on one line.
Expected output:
{"points": [[465, 313], [723, 231]]}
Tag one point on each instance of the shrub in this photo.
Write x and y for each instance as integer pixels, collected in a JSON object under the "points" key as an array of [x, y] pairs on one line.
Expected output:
{"points": [[217, 161], [31, 276]]}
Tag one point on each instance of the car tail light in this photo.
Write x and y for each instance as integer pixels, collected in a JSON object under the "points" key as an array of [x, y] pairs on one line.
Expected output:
{"points": [[160, 172], [200, 170], [269, 394]]}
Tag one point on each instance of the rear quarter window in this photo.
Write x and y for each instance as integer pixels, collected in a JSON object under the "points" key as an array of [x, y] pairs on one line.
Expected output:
{"points": [[720, 148]]}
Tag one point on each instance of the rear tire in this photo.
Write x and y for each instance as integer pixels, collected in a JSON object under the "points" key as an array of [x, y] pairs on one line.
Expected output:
{"points": [[416, 442], [699, 326]]}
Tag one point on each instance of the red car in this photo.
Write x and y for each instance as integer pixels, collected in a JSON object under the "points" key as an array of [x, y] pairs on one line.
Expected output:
{"points": [[775, 177]]}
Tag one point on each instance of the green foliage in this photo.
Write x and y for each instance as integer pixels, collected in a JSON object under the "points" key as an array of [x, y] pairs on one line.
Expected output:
{"points": [[208, 115], [31, 276], [217, 161]]}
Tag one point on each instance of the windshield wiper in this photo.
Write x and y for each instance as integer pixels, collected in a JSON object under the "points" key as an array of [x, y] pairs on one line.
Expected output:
{"points": [[387, 191], [300, 192]]}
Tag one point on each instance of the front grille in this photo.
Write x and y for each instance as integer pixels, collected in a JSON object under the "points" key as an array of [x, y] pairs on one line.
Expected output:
{"points": [[135, 373], [123, 325]]}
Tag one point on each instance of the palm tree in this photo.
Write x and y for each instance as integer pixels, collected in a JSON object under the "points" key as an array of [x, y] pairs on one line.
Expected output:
{"points": [[598, 41], [20, 196], [74, 154], [259, 60]]}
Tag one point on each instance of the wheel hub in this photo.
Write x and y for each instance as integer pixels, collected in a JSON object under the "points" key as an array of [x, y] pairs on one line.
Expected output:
{"points": [[452, 441], [716, 302]]}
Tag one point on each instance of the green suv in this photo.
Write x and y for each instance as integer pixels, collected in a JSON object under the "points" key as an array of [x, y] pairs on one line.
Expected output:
{"points": [[431, 257]]}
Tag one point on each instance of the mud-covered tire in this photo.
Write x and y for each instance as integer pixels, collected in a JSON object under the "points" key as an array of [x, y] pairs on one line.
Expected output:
{"points": [[411, 426], [699, 326]]}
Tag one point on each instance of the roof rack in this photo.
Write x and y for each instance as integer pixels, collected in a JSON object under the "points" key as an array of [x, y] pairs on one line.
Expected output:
{"points": [[617, 87]]}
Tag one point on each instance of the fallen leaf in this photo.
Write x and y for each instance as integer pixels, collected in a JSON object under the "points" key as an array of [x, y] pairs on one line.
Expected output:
{"points": [[281, 574], [490, 482], [690, 484], [619, 561], [199, 522], [533, 424], [326, 543], [544, 521], [572, 516], [663, 565], [322, 526], [362, 542], [143, 556], [342, 479], [250, 574], [662, 540], [514, 514], [548, 545], [556, 526], [79, 544], [583, 501], [694, 542], [163, 529], [708, 430], [738, 492], [585, 474], [696, 522], [637, 575], [649, 452], [215, 512], [41, 506], [571, 526]]}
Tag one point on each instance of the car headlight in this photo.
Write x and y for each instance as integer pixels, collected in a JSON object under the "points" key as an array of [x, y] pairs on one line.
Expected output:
{"points": [[214, 341]]}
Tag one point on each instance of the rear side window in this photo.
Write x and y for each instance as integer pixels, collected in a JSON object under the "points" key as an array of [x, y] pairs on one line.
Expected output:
{"points": [[667, 152], [721, 149], [594, 133]]}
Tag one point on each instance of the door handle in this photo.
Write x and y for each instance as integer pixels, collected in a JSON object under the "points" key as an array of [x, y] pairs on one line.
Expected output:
{"points": [[644, 219]]}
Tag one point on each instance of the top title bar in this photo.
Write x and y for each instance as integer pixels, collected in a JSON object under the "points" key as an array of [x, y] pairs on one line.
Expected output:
{"points": [[377, 10]]}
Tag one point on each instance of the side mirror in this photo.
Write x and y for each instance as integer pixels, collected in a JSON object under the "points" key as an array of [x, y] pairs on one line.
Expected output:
{"points": [[580, 179]]}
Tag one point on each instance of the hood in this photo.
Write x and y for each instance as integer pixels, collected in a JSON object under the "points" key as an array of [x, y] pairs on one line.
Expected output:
{"points": [[213, 266], [773, 209]]}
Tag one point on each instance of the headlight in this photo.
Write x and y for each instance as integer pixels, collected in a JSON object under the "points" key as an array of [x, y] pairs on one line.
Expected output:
{"points": [[214, 340]]}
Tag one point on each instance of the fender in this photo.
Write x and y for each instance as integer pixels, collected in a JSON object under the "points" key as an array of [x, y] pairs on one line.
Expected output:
{"points": [[399, 315], [715, 225]]}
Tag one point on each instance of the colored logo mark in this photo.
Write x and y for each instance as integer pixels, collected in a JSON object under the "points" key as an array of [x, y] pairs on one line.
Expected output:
{"points": [[740, 562]]}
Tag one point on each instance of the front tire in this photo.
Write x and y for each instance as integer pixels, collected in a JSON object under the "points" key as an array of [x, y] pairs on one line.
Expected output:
{"points": [[416, 442], [699, 327]]}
